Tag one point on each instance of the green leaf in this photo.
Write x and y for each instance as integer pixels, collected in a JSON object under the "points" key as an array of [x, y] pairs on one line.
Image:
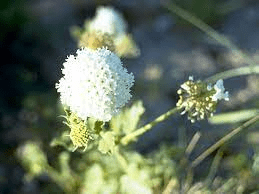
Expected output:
{"points": [[96, 182], [107, 143], [128, 119], [63, 140], [131, 186], [233, 117], [94, 125], [255, 166], [75, 32], [94, 179], [33, 159]]}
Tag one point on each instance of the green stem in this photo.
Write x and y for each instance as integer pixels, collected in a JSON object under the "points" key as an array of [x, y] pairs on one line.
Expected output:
{"points": [[132, 136], [192, 143], [121, 159], [207, 29], [214, 167], [223, 140], [233, 73]]}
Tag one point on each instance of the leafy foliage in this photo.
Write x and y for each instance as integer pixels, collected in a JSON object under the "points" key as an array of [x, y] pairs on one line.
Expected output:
{"points": [[128, 119]]}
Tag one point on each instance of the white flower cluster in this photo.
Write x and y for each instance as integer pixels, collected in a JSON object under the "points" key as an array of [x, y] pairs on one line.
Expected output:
{"points": [[108, 20], [95, 84]]}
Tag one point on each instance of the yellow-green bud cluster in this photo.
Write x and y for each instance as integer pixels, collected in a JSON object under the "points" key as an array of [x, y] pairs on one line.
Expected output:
{"points": [[96, 39], [79, 133], [196, 98]]}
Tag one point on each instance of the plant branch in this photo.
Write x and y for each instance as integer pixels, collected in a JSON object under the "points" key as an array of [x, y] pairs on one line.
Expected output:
{"points": [[132, 136], [233, 73], [223, 40], [223, 140]]}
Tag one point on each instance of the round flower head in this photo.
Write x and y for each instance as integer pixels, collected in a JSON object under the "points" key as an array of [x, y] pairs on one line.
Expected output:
{"points": [[94, 84], [199, 99]]}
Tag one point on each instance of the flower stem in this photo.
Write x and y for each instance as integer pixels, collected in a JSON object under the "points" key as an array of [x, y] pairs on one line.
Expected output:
{"points": [[223, 40], [223, 140], [192, 143], [233, 73], [214, 167], [132, 136]]}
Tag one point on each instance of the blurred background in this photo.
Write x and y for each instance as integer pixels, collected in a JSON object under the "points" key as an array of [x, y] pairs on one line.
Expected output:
{"points": [[35, 41]]}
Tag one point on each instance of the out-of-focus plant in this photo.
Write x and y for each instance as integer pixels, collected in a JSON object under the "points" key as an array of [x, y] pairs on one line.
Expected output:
{"points": [[107, 29], [36, 163], [13, 16], [127, 173], [206, 10], [209, 11]]}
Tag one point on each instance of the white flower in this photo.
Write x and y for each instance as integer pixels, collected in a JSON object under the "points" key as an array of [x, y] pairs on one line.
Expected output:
{"points": [[94, 84], [108, 20], [220, 91]]}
